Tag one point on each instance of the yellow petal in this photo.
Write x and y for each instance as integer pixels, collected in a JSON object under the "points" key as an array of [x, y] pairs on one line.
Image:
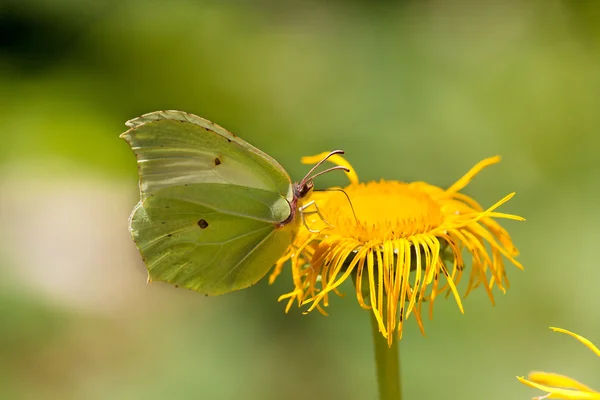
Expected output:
{"points": [[464, 181], [557, 380], [556, 393], [583, 340]]}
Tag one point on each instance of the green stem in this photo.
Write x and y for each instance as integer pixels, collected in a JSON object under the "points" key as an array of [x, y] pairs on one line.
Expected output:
{"points": [[388, 364]]}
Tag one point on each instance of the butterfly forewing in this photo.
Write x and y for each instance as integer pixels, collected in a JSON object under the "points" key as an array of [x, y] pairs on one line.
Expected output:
{"points": [[175, 148]]}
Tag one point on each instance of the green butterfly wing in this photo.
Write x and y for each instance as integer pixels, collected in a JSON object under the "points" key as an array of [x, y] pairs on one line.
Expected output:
{"points": [[211, 205]]}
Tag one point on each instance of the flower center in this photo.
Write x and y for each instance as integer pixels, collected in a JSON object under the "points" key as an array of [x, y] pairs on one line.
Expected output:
{"points": [[384, 210]]}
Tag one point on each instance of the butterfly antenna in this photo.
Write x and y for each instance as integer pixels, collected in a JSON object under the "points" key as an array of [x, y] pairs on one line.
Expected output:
{"points": [[348, 197], [334, 152], [326, 171]]}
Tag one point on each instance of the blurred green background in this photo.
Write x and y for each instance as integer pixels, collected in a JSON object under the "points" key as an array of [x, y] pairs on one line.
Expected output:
{"points": [[412, 90]]}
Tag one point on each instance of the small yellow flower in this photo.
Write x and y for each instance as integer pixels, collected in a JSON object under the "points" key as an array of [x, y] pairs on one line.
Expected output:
{"points": [[560, 386], [402, 243]]}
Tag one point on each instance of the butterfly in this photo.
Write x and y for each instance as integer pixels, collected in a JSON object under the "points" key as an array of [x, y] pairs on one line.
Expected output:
{"points": [[215, 213]]}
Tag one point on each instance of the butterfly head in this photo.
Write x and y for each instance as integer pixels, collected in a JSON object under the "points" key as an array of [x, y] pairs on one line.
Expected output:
{"points": [[304, 189]]}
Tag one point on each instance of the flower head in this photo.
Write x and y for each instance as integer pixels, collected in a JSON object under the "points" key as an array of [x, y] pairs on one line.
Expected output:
{"points": [[402, 243], [559, 386]]}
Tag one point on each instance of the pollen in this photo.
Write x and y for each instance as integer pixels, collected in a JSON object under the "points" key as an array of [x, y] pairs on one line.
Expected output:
{"points": [[384, 210]]}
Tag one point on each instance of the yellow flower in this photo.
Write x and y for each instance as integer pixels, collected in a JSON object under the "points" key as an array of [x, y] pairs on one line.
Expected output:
{"points": [[560, 386], [402, 243]]}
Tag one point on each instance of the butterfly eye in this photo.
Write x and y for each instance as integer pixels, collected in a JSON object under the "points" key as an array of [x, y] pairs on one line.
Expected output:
{"points": [[306, 188]]}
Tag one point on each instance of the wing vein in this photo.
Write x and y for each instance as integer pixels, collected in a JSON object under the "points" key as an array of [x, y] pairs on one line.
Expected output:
{"points": [[228, 212], [235, 267]]}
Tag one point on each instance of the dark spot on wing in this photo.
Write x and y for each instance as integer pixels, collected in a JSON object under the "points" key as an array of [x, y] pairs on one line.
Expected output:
{"points": [[164, 222], [203, 224], [217, 161], [169, 235], [229, 140]]}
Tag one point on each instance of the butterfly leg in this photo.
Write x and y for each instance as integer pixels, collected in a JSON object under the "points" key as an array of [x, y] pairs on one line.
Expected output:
{"points": [[303, 213], [317, 211]]}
